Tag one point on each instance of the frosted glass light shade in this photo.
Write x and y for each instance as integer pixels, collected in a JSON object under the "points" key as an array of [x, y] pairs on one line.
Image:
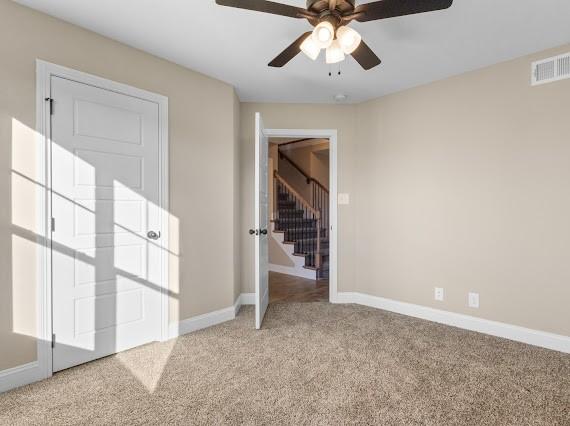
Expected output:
{"points": [[334, 53], [349, 39], [323, 34], [310, 48]]}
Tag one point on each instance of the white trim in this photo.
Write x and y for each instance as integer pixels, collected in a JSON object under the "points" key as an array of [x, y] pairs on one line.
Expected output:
{"points": [[237, 306], [19, 376], [203, 321], [247, 299], [309, 274], [44, 72], [211, 318], [43, 205], [512, 332], [332, 136], [164, 162]]}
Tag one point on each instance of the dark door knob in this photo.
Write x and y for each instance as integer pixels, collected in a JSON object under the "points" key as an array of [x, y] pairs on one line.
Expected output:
{"points": [[263, 231], [252, 232]]}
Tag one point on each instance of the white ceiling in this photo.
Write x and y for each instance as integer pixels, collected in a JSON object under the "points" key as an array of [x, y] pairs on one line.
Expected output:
{"points": [[235, 45]]}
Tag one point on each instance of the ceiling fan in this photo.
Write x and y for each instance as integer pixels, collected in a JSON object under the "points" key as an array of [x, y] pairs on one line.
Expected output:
{"points": [[330, 19]]}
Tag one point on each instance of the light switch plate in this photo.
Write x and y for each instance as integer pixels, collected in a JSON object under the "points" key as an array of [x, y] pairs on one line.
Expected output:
{"points": [[343, 199]]}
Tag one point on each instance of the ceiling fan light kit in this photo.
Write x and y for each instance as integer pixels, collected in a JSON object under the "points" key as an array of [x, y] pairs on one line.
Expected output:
{"points": [[344, 41], [334, 53], [349, 39], [323, 34], [330, 19], [310, 48]]}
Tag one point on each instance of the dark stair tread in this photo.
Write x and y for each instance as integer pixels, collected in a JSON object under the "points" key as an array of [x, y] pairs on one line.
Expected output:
{"points": [[290, 213], [301, 232], [312, 240], [296, 221]]}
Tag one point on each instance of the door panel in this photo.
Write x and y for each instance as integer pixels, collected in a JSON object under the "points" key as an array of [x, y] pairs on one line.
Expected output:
{"points": [[105, 198], [261, 222]]}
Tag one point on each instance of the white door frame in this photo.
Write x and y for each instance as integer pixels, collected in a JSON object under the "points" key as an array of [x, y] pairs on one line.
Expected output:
{"points": [[331, 135], [44, 72]]}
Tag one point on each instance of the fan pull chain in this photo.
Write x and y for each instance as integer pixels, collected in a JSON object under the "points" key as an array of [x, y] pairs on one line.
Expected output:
{"points": [[339, 71]]}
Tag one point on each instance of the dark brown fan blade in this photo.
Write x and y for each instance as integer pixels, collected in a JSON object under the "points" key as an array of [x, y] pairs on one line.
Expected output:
{"points": [[265, 6], [366, 57], [391, 8], [289, 53]]}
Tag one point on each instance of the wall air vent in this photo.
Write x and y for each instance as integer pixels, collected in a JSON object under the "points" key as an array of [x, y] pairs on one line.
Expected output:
{"points": [[551, 69]]}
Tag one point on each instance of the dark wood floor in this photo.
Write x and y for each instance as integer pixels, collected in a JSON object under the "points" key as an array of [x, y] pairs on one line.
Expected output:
{"points": [[287, 288]]}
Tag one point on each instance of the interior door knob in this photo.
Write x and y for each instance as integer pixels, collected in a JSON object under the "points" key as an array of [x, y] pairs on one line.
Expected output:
{"points": [[263, 232], [253, 231], [153, 235]]}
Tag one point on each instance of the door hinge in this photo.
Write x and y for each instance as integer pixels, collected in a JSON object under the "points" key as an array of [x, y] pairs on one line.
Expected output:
{"points": [[53, 340], [53, 224], [50, 100]]}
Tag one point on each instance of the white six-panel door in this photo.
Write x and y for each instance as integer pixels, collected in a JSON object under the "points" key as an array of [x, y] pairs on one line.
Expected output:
{"points": [[261, 221], [105, 201]]}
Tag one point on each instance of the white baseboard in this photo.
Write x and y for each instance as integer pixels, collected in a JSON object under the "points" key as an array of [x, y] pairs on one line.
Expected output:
{"points": [[247, 299], [202, 321], [309, 274], [20, 376], [512, 332], [211, 318]]}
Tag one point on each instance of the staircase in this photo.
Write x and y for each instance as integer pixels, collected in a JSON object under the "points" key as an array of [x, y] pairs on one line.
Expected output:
{"points": [[304, 225]]}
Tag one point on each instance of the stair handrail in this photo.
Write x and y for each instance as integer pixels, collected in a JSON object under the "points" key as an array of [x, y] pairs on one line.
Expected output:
{"points": [[300, 170], [296, 194], [310, 208]]}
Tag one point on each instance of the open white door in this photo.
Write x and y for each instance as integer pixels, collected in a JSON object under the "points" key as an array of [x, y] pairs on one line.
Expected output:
{"points": [[261, 222]]}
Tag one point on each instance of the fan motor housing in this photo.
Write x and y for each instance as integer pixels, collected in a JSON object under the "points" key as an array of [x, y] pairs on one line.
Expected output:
{"points": [[320, 6]]}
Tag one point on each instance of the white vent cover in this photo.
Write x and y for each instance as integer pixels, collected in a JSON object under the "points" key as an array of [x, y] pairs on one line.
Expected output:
{"points": [[551, 69]]}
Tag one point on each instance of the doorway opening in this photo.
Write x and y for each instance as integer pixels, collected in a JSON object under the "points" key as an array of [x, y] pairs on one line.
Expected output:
{"points": [[299, 210]]}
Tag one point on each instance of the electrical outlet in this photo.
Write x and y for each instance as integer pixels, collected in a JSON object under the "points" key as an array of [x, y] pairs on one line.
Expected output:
{"points": [[439, 294], [474, 300]]}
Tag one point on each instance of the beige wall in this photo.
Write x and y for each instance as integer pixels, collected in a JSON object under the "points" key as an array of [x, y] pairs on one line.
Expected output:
{"points": [[297, 181], [461, 184], [203, 128], [464, 184], [320, 167]]}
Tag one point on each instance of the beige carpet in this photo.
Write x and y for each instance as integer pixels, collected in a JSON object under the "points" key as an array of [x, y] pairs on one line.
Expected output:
{"points": [[313, 363]]}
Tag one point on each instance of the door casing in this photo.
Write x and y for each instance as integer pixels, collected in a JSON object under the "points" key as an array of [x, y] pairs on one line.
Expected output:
{"points": [[44, 72]]}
